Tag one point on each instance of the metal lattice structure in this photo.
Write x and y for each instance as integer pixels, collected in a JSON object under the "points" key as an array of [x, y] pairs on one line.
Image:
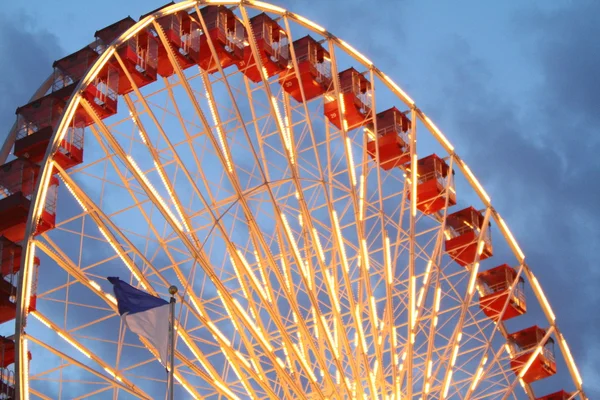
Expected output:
{"points": [[327, 240]]}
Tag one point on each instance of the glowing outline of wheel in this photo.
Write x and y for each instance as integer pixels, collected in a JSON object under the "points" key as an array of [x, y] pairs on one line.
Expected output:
{"points": [[39, 194]]}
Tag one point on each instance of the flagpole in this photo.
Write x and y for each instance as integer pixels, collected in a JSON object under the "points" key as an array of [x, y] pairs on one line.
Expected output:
{"points": [[171, 382]]}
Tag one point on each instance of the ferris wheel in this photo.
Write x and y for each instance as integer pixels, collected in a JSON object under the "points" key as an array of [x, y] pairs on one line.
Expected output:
{"points": [[326, 238]]}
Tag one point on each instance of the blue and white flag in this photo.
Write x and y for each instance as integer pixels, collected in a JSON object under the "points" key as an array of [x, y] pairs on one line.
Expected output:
{"points": [[145, 315]]}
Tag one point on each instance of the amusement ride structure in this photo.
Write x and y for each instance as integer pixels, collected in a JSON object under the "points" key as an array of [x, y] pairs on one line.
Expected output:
{"points": [[326, 238]]}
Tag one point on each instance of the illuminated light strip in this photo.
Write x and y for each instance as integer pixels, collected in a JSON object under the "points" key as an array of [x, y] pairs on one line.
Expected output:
{"points": [[154, 192], [168, 187], [338, 234], [283, 127], [438, 134], [414, 182], [243, 359], [111, 298], [438, 296], [543, 297], [239, 277], [388, 261], [74, 344], [372, 383], [141, 133], [351, 160], [336, 351], [29, 280], [319, 247], [217, 332], [355, 52], [25, 369], [342, 104], [361, 333], [427, 271], [264, 294], [83, 207], [231, 317], [513, 242], [138, 29], [373, 310], [571, 360], [420, 298], [412, 301], [211, 106], [361, 197], [365, 254], [262, 273], [473, 279], [447, 385], [332, 289], [480, 247], [397, 88], [301, 263], [478, 186], [42, 319], [46, 185], [477, 378], [308, 22], [454, 355], [286, 277], [143, 137], [267, 6], [178, 7], [95, 285], [193, 301], [532, 358], [315, 320]]}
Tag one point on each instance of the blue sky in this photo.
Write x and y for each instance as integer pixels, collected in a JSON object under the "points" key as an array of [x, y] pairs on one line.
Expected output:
{"points": [[512, 84]]}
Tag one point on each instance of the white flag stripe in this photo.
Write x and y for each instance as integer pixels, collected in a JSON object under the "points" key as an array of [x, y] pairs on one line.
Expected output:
{"points": [[152, 324]]}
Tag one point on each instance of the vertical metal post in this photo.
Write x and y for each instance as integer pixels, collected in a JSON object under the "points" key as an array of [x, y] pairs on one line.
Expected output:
{"points": [[171, 382]]}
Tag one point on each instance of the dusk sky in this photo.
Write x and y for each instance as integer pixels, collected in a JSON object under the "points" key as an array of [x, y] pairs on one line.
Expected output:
{"points": [[514, 85]]}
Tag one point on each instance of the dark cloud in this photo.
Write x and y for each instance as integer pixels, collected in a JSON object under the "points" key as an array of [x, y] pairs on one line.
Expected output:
{"points": [[536, 155], [27, 53]]}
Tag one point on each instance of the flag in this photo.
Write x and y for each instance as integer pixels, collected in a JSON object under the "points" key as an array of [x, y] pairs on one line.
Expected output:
{"points": [[145, 315]]}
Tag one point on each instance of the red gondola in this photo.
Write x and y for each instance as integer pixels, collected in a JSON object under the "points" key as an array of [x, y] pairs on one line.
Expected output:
{"points": [[464, 227], [352, 109], [314, 68]]}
